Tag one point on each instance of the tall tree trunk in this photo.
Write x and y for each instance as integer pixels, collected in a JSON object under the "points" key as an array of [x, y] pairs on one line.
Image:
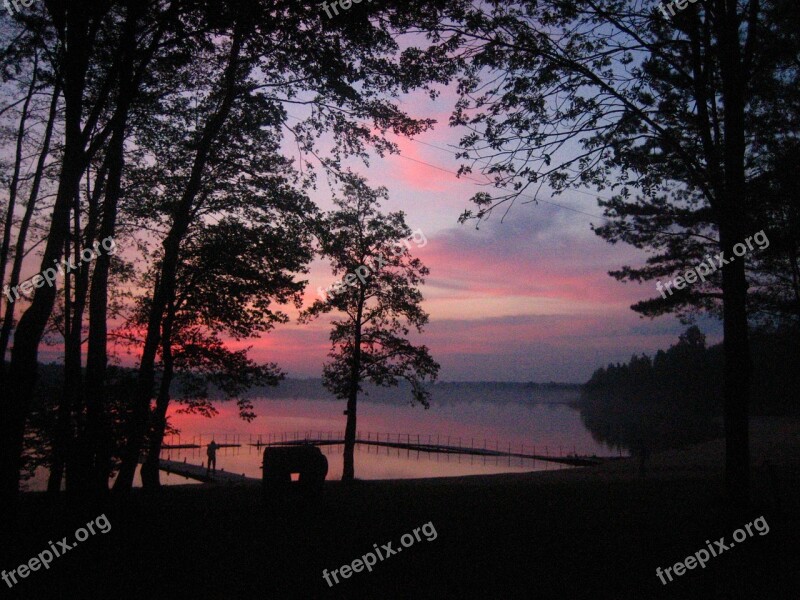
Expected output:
{"points": [[165, 289], [19, 249], [14, 186], [24, 357], [97, 435], [95, 439], [737, 370], [63, 413], [150, 468], [66, 450], [348, 472]]}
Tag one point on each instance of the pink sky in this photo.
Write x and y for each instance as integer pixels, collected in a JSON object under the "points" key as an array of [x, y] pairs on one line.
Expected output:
{"points": [[526, 299]]}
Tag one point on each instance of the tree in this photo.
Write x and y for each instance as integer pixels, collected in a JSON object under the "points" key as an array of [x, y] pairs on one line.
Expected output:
{"points": [[119, 68], [378, 299], [670, 113], [650, 405], [269, 56], [254, 263], [88, 45]]}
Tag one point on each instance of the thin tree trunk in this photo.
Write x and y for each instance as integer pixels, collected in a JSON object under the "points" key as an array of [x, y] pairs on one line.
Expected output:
{"points": [[63, 414], [14, 187], [19, 249], [348, 473], [95, 440], [150, 468], [737, 369], [24, 357], [138, 420]]}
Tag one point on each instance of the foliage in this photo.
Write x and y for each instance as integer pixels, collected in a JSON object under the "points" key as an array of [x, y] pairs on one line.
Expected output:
{"points": [[654, 404], [379, 309]]}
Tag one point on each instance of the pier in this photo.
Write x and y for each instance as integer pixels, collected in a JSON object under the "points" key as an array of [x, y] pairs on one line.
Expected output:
{"points": [[433, 443], [199, 473]]}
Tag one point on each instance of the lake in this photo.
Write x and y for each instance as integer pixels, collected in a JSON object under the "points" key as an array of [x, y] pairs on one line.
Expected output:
{"points": [[538, 422]]}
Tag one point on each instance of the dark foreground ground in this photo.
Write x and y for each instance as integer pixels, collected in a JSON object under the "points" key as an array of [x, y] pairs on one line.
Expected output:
{"points": [[572, 534]]}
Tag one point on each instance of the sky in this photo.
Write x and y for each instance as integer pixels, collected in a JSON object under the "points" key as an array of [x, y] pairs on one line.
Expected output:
{"points": [[527, 298], [523, 298]]}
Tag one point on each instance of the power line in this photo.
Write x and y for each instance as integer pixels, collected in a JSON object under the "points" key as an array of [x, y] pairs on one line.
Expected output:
{"points": [[521, 195], [535, 199], [480, 182]]}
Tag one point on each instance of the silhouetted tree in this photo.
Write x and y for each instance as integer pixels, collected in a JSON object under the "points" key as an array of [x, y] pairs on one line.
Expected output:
{"points": [[613, 94], [230, 275], [379, 301]]}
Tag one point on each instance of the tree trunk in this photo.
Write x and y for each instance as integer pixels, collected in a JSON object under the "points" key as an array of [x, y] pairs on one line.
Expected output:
{"points": [[19, 250], [95, 440], [24, 357], [732, 216], [138, 420], [63, 430], [348, 473], [150, 468]]}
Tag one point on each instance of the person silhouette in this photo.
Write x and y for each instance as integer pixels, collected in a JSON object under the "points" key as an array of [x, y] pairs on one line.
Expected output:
{"points": [[212, 457]]}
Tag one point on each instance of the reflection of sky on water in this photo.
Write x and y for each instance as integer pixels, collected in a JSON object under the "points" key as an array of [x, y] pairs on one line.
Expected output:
{"points": [[528, 428], [542, 428]]}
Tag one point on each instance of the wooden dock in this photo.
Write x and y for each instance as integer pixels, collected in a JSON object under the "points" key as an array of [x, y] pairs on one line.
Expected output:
{"points": [[575, 461], [433, 443], [195, 446], [199, 473]]}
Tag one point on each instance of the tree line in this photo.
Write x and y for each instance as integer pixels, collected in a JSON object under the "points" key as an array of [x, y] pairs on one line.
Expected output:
{"points": [[674, 398]]}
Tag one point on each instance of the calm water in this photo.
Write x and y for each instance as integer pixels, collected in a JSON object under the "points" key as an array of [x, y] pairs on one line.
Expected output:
{"points": [[525, 426]]}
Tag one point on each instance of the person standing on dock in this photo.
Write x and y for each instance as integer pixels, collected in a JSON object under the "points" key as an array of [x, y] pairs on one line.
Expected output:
{"points": [[212, 456]]}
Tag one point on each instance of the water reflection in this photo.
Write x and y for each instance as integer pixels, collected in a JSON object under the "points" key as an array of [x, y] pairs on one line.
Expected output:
{"points": [[553, 429]]}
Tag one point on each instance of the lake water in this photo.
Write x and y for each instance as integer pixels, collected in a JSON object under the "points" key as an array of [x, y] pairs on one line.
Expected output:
{"points": [[544, 425], [528, 428]]}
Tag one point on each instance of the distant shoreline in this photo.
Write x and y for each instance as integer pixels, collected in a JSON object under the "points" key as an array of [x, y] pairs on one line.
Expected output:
{"points": [[441, 392]]}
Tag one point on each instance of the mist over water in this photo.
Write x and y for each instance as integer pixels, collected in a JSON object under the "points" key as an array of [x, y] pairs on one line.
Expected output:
{"points": [[493, 416]]}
